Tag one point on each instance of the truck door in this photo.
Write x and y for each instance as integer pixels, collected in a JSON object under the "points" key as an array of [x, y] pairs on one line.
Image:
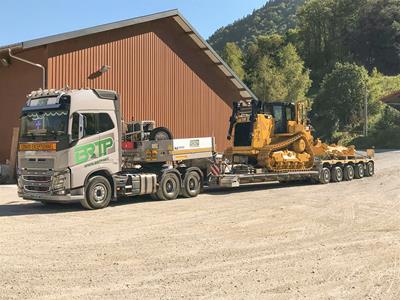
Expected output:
{"points": [[96, 148], [108, 147]]}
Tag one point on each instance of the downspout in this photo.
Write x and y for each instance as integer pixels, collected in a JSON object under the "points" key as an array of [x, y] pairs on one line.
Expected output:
{"points": [[32, 64]]}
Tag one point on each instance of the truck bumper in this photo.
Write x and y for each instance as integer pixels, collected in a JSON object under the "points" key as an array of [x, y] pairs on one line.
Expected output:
{"points": [[50, 198]]}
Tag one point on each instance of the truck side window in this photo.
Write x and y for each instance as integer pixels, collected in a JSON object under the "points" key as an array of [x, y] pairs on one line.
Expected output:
{"points": [[97, 123], [91, 124], [105, 122], [75, 126]]}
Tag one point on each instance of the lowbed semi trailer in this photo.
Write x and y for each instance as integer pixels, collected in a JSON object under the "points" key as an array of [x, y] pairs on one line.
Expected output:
{"points": [[73, 146]]}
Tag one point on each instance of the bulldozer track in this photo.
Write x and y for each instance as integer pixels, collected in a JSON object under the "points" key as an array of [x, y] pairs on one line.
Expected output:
{"points": [[284, 144]]}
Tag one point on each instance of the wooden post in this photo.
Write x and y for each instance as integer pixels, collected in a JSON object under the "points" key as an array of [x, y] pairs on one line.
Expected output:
{"points": [[13, 153]]}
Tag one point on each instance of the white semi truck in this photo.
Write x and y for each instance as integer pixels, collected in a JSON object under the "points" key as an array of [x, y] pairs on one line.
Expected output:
{"points": [[73, 146]]}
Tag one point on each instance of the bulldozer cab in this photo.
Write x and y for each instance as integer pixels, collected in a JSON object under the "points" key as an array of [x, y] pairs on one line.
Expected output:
{"points": [[282, 113], [286, 116]]}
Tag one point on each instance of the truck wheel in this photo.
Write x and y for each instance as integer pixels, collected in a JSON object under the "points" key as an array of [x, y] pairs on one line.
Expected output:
{"points": [[337, 174], [169, 187], [160, 134], [348, 173], [98, 193], [370, 169], [359, 171], [325, 176], [191, 185]]}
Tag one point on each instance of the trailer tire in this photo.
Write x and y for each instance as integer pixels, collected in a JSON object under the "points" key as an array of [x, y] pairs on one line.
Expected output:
{"points": [[160, 133], [191, 185], [337, 174], [98, 193], [169, 187], [348, 174], [325, 176], [359, 171], [370, 169]]}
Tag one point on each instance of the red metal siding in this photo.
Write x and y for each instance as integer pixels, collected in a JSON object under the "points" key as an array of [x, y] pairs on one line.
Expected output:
{"points": [[154, 82], [16, 81]]}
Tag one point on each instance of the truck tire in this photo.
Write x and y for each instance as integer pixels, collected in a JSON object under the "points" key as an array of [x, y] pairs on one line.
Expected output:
{"points": [[160, 134], [98, 193], [359, 171], [169, 187], [370, 169], [337, 174], [325, 176], [191, 184], [348, 173]]}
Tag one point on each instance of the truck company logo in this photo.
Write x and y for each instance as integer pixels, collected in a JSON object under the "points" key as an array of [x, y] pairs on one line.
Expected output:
{"points": [[93, 150]]}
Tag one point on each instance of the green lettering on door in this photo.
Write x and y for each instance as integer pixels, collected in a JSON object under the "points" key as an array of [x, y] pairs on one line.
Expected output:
{"points": [[92, 150]]}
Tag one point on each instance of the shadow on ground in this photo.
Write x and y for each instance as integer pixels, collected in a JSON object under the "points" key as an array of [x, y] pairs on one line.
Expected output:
{"points": [[16, 208], [37, 208]]}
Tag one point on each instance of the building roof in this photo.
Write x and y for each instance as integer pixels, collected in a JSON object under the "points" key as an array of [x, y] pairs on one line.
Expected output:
{"points": [[245, 92], [392, 100]]}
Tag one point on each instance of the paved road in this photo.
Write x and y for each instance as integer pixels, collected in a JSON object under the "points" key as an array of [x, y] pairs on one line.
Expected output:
{"points": [[268, 241]]}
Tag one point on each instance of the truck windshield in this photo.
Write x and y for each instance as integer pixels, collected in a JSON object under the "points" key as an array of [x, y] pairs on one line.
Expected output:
{"points": [[45, 124]]}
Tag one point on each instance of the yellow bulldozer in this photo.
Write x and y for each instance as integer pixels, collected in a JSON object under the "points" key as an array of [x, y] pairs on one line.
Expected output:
{"points": [[277, 136]]}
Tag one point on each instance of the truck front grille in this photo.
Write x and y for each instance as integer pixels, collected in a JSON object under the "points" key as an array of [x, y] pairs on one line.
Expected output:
{"points": [[37, 189], [37, 178], [36, 181]]}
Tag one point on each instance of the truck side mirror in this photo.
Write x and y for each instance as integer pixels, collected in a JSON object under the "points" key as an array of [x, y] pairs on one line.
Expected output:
{"points": [[81, 131], [78, 127]]}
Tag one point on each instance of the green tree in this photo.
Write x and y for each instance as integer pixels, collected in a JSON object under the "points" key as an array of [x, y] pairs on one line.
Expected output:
{"points": [[324, 29], [275, 71], [339, 105], [375, 40], [233, 56], [297, 78], [276, 16], [268, 81]]}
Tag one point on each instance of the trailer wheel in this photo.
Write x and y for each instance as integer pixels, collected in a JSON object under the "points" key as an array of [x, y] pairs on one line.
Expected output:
{"points": [[325, 176], [337, 174], [370, 169], [169, 187], [191, 185], [98, 193], [348, 173], [359, 171]]}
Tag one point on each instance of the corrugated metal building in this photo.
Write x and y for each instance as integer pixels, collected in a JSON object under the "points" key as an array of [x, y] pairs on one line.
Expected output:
{"points": [[160, 66]]}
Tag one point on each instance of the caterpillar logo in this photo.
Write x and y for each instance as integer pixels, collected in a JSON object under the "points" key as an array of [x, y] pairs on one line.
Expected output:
{"points": [[93, 150]]}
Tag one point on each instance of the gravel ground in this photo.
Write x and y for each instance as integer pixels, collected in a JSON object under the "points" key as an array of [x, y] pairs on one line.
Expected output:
{"points": [[266, 241]]}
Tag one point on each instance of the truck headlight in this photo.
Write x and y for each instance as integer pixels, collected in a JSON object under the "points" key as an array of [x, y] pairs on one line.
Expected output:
{"points": [[60, 180]]}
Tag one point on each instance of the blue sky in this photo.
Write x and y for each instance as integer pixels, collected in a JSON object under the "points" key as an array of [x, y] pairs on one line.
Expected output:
{"points": [[28, 19]]}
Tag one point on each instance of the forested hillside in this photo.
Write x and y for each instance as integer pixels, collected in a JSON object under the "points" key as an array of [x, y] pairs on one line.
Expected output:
{"points": [[332, 53], [276, 16]]}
